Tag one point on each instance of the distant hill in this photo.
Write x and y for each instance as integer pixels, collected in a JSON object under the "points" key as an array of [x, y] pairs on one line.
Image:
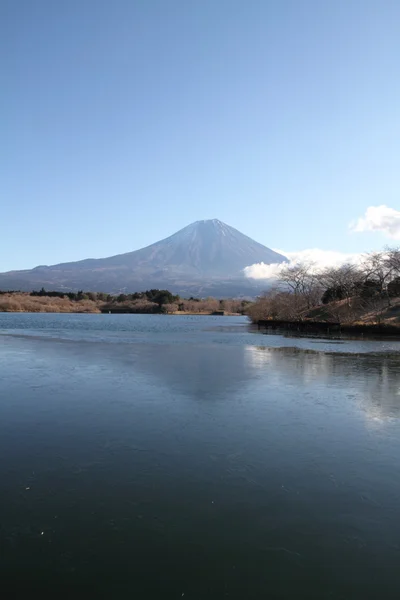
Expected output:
{"points": [[204, 258]]}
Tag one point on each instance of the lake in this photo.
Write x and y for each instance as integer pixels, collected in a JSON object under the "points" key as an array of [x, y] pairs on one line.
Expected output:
{"points": [[159, 457]]}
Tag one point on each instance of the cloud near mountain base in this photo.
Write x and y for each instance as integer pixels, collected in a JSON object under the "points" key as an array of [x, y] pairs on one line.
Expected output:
{"points": [[320, 259], [377, 218]]}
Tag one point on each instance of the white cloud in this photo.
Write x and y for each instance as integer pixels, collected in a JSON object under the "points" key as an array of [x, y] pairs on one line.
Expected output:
{"points": [[319, 258], [262, 271], [379, 218]]}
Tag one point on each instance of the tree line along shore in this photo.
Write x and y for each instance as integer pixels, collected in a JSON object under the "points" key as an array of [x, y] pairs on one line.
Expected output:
{"points": [[366, 293], [153, 301]]}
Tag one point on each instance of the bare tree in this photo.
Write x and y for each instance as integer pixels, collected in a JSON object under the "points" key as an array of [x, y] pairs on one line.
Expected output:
{"points": [[378, 270], [303, 282], [348, 292], [275, 304], [340, 282], [393, 260], [345, 277]]}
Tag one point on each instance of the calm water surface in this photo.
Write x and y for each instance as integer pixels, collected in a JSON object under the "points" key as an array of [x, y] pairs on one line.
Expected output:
{"points": [[189, 457]]}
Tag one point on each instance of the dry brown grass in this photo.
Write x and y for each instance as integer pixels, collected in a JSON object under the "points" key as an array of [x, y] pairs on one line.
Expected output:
{"points": [[360, 311], [24, 302], [38, 304], [353, 311]]}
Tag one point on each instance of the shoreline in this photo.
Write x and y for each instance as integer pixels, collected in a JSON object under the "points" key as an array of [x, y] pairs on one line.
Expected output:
{"points": [[378, 329], [120, 312]]}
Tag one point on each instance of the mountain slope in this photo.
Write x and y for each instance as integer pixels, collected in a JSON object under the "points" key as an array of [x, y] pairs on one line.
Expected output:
{"points": [[202, 257]]}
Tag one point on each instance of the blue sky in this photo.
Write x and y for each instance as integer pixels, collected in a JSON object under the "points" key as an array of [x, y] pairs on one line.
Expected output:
{"points": [[124, 121]]}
